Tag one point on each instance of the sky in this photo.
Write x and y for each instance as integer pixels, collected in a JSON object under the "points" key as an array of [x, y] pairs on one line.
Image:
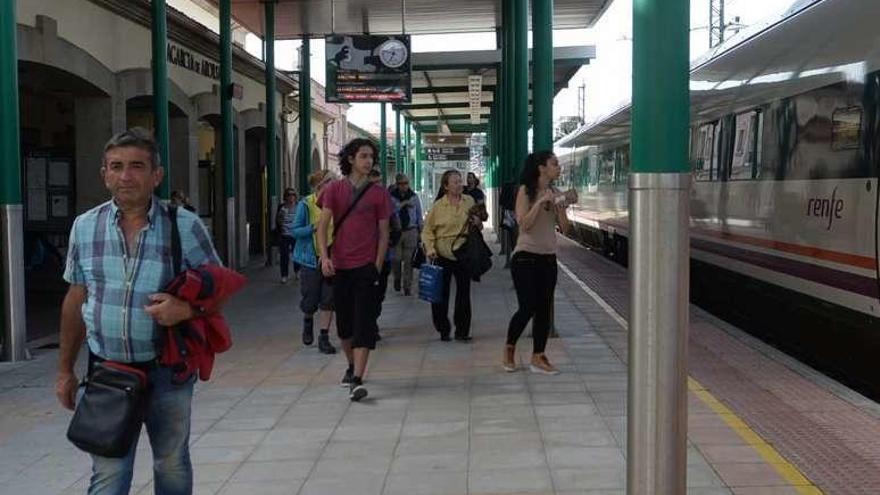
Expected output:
{"points": [[607, 79]]}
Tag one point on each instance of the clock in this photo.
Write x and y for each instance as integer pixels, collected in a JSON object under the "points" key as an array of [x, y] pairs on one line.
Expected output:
{"points": [[393, 53]]}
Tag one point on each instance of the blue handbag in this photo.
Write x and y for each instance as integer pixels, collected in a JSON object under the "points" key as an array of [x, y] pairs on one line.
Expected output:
{"points": [[431, 283]]}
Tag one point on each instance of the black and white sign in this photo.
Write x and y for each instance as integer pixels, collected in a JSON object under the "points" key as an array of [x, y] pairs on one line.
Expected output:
{"points": [[366, 68]]}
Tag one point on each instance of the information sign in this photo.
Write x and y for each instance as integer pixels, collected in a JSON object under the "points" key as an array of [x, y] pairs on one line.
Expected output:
{"points": [[368, 68]]}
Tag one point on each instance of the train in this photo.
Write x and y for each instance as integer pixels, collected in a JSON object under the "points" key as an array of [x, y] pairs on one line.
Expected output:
{"points": [[785, 211]]}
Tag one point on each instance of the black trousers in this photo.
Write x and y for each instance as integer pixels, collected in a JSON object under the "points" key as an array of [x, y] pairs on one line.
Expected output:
{"points": [[534, 277], [354, 295], [286, 247], [440, 311]]}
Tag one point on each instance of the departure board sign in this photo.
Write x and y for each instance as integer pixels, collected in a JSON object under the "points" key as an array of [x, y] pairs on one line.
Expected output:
{"points": [[367, 68], [443, 154]]}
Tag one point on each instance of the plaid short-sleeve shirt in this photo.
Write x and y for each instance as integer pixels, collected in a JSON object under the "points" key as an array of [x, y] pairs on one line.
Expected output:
{"points": [[119, 282]]}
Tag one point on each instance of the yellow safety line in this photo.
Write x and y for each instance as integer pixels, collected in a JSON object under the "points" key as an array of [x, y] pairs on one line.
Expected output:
{"points": [[787, 470]]}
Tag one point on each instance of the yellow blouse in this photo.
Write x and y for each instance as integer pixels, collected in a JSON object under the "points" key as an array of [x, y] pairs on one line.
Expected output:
{"points": [[444, 223]]}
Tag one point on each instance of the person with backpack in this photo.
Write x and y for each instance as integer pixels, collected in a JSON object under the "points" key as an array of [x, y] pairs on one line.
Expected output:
{"points": [[317, 293], [360, 211], [539, 208], [409, 214]]}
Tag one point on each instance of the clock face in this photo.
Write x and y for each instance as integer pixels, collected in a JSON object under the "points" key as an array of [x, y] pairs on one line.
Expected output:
{"points": [[393, 53]]}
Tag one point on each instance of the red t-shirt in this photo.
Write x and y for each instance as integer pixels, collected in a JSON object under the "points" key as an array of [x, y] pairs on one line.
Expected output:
{"points": [[356, 243]]}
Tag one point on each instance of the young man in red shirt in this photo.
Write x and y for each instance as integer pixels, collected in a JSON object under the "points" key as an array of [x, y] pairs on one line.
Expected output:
{"points": [[360, 212]]}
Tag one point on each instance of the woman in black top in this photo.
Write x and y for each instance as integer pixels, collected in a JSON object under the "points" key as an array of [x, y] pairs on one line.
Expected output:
{"points": [[473, 190]]}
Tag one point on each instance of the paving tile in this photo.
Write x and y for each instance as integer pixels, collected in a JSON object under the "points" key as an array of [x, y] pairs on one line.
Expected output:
{"points": [[272, 471], [527, 480], [427, 483]]}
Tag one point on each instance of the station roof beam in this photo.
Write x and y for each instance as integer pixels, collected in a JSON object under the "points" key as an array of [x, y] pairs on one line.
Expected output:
{"points": [[298, 17]]}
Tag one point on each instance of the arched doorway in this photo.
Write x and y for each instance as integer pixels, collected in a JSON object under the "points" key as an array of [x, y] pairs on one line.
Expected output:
{"points": [[255, 189], [65, 121]]}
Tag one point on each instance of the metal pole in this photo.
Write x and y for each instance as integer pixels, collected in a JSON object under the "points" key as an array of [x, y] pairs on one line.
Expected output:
{"points": [[11, 210], [505, 83], [520, 83], [398, 165], [383, 131], [542, 74], [419, 173], [407, 160], [227, 133], [269, 66], [659, 250], [305, 116], [160, 91]]}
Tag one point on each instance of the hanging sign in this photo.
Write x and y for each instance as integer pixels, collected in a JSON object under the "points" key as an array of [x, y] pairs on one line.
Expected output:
{"points": [[475, 96], [443, 154], [365, 68]]}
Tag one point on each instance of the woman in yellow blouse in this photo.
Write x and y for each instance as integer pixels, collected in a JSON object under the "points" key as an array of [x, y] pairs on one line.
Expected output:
{"points": [[443, 233]]}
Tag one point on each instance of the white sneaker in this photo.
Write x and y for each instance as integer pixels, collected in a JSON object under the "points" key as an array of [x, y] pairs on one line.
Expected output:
{"points": [[541, 365], [283, 280]]}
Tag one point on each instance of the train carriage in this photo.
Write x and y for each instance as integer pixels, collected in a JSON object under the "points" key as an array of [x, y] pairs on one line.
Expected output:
{"points": [[784, 148]]}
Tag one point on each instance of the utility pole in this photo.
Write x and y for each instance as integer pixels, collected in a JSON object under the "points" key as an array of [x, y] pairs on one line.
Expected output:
{"points": [[716, 23], [582, 103]]}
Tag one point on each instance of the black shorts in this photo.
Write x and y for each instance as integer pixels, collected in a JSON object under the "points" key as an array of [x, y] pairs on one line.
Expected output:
{"points": [[354, 295], [317, 293]]}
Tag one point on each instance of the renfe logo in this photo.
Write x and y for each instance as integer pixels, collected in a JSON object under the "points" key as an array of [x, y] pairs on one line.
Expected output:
{"points": [[826, 208]]}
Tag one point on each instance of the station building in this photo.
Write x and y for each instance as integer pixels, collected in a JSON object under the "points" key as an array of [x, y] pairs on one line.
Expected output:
{"points": [[84, 74]]}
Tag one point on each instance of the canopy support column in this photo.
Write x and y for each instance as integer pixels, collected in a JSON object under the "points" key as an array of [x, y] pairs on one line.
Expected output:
{"points": [[160, 91], [11, 209], [542, 74], [227, 131], [383, 143], [659, 250], [305, 116]]}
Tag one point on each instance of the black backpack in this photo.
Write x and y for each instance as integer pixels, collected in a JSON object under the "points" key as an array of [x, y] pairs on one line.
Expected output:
{"points": [[404, 219]]}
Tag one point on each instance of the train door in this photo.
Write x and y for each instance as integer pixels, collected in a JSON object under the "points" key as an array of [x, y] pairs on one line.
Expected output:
{"points": [[877, 224]]}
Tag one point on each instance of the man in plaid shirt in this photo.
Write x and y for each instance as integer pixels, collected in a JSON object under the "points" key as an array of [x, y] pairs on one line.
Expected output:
{"points": [[119, 258]]}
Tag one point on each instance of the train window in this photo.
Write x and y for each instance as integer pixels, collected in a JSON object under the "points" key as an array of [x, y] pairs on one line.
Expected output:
{"points": [[745, 154], [622, 165], [846, 128], [606, 167], [705, 152]]}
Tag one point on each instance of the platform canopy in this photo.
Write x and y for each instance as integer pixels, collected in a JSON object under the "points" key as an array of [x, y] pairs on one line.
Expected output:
{"points": [[319, 17], [440, 83]]}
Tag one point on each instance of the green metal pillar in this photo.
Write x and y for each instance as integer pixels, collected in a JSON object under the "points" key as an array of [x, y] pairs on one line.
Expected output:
{"points": [[408, 168], [542, 74], [383, 143], [398, 164], [269, 66], [520, 98], [659, 250], [227, 130], [12, 290], [419, 173], [305, 116], [160, 91], [505, 86]]}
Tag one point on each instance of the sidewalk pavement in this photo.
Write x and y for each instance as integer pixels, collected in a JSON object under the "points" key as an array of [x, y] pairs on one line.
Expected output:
{"points": [[441, 417]]}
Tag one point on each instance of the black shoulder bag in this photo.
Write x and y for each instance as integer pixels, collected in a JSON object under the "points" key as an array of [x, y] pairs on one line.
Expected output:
{"points": [[337, 225]]}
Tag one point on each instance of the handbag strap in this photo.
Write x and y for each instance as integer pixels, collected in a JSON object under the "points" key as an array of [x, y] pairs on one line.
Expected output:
{"points": [[176, 250], [338, 224]]}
